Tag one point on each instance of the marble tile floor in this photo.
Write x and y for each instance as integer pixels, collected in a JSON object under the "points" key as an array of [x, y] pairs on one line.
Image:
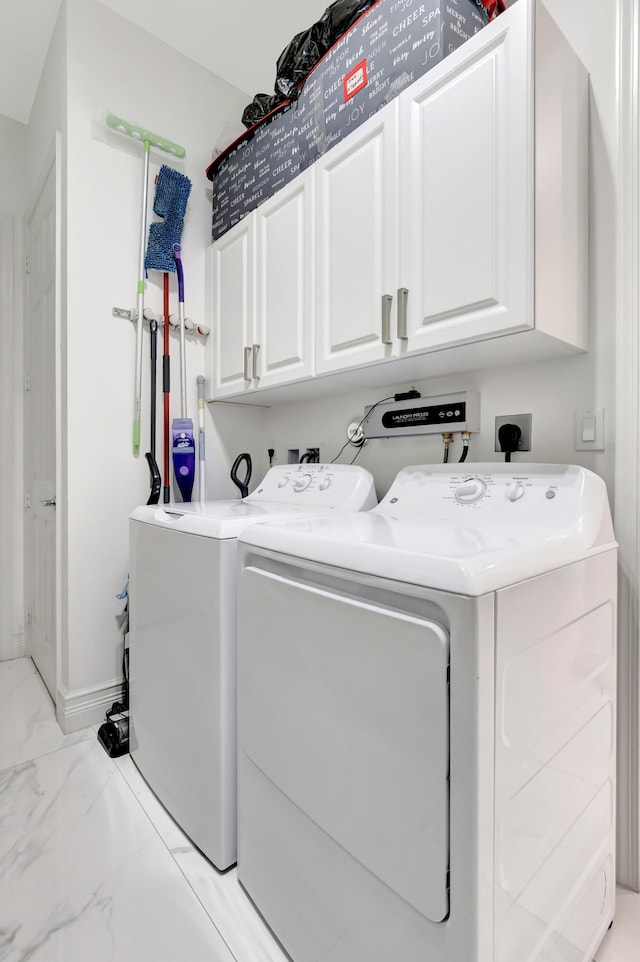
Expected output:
{"points": [[93, 869]]}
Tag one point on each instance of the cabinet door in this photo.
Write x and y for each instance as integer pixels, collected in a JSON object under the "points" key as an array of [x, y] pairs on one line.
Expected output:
{"points": [[232, 307], [467, 190], [284, 284], [357, 243]]}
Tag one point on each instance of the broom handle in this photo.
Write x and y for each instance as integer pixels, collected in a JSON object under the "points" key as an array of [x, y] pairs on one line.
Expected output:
{"points": [[201, 440], [183, 358], [166, 387]]}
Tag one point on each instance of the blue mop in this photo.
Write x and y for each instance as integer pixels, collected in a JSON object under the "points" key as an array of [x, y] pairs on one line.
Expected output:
{"points": [[170, 203]]}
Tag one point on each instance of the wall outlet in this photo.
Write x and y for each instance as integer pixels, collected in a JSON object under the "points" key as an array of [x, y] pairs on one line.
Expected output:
{"points": [[309, 454], [524, 423]]}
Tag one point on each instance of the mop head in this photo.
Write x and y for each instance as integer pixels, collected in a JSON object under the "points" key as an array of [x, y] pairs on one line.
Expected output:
{"points": [[170, 203]]}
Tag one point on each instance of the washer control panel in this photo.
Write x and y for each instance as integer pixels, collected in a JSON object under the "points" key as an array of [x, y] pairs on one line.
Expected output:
{"points": [[344, 486]]}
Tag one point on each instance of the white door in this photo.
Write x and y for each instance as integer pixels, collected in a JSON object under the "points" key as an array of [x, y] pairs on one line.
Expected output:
{"points": [[232, 300], [40, 432], [8, 328], [467, 191], [357, 245], [284, 284]]}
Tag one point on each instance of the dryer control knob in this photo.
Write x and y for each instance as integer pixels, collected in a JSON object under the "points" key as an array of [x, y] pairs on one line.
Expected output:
{"points": [[470, 491], [515, 491], [283, 482], [302, 483], [324, 484]]}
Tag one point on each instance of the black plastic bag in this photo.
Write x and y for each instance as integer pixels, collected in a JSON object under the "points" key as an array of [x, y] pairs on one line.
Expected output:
{"points": [[301, 55], [260, 106], [306, 49]]}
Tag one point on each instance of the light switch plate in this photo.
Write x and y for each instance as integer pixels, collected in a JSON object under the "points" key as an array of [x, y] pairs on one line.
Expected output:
{"points": [[590, 430]]}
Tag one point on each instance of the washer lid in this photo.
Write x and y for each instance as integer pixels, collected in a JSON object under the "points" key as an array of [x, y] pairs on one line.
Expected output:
{"points": [[220, 519], [286, 491], [468, 531]]}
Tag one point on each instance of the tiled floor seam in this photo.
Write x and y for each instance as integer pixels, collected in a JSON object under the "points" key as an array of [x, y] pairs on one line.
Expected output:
{"points": [[175, 862]]}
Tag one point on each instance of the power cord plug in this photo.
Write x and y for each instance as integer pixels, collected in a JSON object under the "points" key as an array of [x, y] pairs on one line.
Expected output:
{"points": [[509, 436]]}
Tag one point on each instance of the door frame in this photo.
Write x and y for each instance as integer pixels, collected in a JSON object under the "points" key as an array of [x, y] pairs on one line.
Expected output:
{"points": [[627, 442], [52, 160], [9, 647]]}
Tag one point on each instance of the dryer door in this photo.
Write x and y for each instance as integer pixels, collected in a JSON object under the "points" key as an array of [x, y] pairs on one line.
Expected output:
{"points": [[344, 707]]}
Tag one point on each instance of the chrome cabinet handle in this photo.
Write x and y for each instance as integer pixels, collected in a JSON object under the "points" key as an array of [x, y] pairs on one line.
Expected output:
{"points": [[386, 318], [247, 357], [255, 349], [403, 294], [48, 502]]}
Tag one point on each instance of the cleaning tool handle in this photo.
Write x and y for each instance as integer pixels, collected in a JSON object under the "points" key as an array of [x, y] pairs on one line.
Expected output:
{"points": [[166, 387], [140, 304], [176, 253], [243, 485], [183, 354], [201, 433], [156, 480]]}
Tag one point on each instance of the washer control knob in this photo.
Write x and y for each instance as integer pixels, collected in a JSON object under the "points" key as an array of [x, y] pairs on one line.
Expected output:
{"points": [[470, 491], [515, 491], [283, 482], [302, 483], [326, 483]]}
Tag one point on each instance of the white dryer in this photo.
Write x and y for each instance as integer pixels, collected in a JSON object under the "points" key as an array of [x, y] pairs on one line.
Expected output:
{"points": [[426, 721], [182, 651]]}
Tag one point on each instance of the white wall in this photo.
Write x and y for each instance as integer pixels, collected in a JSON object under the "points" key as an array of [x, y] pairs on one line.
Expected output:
{"points": [[114, 66], [551, 391], [12, 192]]}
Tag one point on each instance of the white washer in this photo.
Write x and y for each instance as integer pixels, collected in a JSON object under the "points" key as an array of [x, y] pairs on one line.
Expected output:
{"points": [[426, 721], [182, 642]]}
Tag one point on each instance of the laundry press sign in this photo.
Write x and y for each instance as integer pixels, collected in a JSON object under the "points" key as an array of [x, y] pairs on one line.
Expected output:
{"points": [[396, 42]]}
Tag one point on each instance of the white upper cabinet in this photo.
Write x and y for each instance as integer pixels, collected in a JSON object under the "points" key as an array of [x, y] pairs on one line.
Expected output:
{"points": [[466, 183], [284, 284], [232, 309], [261, 295], [357, 236], [449, 232]]}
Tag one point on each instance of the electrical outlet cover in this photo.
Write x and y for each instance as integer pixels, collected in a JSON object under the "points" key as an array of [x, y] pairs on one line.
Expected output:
{"points": [[524, 423]]}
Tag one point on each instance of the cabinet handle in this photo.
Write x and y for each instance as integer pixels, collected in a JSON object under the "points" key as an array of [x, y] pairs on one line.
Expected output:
{"points": [[403, 294], [386, 318], [247, 357], [255, 349]]}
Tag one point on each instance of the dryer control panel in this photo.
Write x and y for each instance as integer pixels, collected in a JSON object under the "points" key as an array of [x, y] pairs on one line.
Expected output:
{"points": [[525, 499]]}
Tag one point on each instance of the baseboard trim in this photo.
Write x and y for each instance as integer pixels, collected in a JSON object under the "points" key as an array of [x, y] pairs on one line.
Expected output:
{"points": [[80, 709], [18, 645]]}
